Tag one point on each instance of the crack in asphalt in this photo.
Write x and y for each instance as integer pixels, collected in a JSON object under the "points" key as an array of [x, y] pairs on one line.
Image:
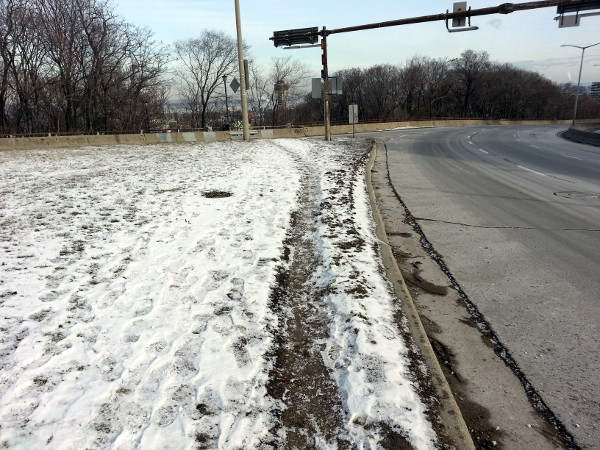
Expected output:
{"points": [[502, 227]]}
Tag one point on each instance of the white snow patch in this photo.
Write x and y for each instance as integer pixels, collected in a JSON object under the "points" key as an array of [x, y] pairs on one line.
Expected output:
{"points": [[135, 306]]}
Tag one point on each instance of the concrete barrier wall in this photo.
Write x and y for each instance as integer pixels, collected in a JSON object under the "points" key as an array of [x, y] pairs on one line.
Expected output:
{"points": [[110, 139], [586, 133], [213, 136]]}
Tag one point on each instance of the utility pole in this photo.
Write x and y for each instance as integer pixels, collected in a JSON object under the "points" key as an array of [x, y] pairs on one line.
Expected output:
{"points": [[325, 76], [579, 79], [240, 44]]}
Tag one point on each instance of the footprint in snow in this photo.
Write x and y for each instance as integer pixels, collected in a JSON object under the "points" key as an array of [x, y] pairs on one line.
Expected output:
{"points": [[216, 279], [108, 299], [157, 347], [49, 297], [242, 357], [110, 369], [236, 292], [164, 415], [136, 417], [386, 331], [199, 323], [133, 330], [246, 255], [183, 394], [144, 308]]}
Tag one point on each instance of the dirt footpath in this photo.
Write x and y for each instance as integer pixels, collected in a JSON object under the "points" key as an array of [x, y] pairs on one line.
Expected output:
{"points": [[499, 407]]}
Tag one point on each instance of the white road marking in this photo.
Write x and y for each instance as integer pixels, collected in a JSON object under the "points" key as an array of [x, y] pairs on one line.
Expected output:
{"points": [[482, 150], [532, 171], [572, 157]]}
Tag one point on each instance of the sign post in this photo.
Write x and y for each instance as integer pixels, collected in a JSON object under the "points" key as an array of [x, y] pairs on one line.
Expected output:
{"points": [[353, 116]]}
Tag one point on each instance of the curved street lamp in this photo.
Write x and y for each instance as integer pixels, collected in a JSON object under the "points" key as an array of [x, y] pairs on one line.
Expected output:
{"points": [[579, 80]]}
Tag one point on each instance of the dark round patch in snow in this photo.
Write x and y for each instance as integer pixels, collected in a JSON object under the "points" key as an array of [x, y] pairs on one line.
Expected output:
{"points": [[216, 194]]}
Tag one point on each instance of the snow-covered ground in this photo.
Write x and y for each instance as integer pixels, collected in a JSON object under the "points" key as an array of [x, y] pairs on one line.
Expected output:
{"points": [[135, 288]]}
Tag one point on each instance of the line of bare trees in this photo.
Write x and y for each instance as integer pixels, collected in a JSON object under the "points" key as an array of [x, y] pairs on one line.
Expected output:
{"points": [[72, 66], [468, 86], [76, 66], [200, 67]]}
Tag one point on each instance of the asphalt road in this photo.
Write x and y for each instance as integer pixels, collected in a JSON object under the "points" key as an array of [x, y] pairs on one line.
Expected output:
{"points": [[515, 212]]}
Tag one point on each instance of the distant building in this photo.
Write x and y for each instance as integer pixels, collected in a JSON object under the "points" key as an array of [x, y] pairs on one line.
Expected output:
{"points": [[281, 90], [595, 91]]}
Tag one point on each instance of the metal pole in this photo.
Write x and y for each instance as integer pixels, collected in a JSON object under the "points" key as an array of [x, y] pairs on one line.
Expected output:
{"points": [[325, 76], [578, 87], [579, 79], [226, 104], [505, 8], [242, 74]]}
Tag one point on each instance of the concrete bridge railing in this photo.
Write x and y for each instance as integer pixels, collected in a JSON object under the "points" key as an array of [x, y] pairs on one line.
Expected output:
{"points": [[213, 136]]}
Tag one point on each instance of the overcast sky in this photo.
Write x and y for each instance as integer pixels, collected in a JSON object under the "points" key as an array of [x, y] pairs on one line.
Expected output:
{"points": [[528, 39]]}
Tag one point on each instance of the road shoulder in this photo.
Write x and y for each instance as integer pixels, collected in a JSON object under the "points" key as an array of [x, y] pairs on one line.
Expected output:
{"points": [[462, 360]]}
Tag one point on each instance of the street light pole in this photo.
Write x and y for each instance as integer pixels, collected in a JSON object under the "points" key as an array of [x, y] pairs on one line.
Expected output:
{"points": [[579, 79], [240, 44]]}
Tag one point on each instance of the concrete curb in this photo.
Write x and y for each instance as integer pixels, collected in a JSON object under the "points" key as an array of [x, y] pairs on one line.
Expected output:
{"points": [[450, 414]]}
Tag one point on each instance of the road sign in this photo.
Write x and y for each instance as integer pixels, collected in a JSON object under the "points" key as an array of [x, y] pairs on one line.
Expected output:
{"points": [[353, 113], [568, 21], [235, 85], [335, 86], [317, 87], [459, 21], [297, 36]]}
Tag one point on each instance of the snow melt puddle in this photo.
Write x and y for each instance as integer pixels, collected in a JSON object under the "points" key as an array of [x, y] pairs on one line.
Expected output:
{"points": [[135, 305]]}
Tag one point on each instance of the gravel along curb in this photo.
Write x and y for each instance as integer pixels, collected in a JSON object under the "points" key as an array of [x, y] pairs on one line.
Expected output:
{"points": [[449, 413]]}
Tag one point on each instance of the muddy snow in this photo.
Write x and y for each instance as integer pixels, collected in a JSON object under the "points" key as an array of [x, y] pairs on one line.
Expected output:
{"points": [[148, 294]]}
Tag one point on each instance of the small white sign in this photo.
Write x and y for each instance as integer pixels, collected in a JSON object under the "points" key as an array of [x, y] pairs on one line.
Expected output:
{"points": [[353, 113], [568, 21], [317, 87], [459, 21]]}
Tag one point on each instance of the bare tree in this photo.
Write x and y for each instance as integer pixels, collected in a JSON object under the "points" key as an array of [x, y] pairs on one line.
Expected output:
{"points": [[283, 85], [469, 71], [352, 93], [204, 62], [381, 91], [258, 92], [23, 65], [437, 85], [75, 66], [469, 86], [7, 55]]}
